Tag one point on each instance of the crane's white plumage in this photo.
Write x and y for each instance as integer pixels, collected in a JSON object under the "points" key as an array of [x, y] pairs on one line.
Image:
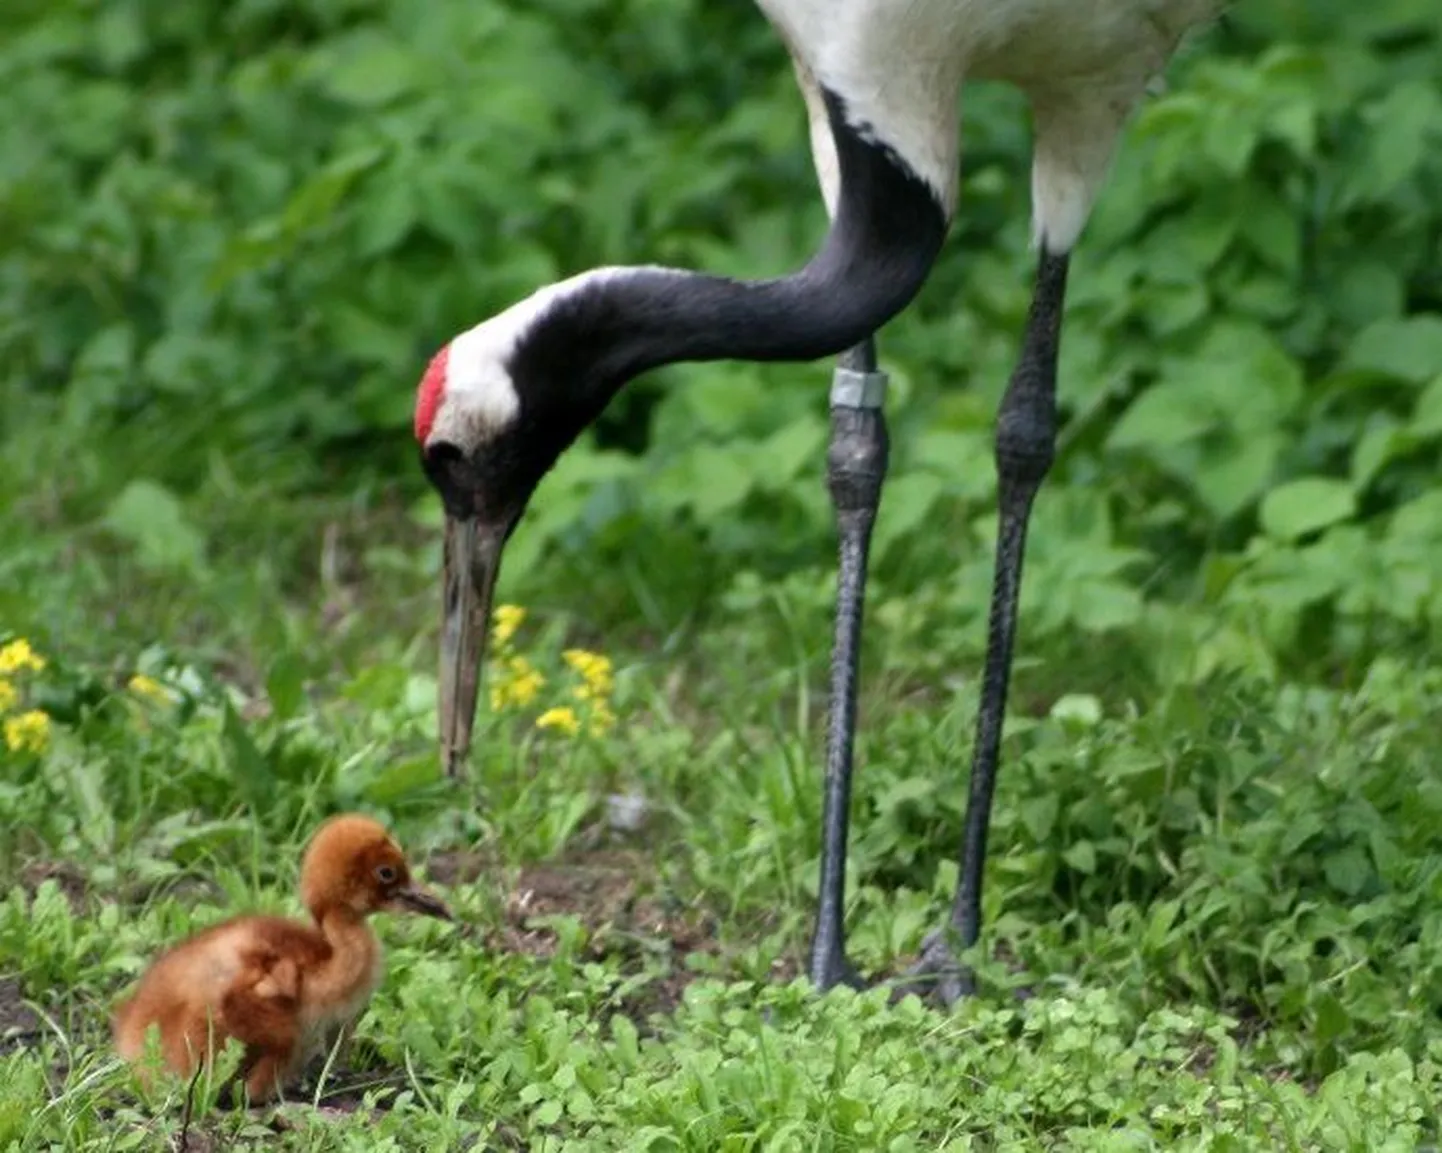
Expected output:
{"points": [[899, 65]]}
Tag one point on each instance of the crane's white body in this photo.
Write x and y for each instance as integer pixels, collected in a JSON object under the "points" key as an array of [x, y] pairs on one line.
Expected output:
{"points": [[900, 64]]}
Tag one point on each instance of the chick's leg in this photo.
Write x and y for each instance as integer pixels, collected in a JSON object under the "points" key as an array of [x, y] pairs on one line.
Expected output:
{"points": [[268, 1022]]}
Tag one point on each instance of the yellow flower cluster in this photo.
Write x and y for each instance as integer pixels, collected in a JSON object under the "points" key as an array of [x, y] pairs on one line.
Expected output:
{"points": [[504, 623], [27, 732], [515, 683], [596, 679], [562, 718], [19, 657], [594, 691]]}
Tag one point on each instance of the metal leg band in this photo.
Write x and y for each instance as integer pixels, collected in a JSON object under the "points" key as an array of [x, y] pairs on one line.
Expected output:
{"points": [[851, 389]]}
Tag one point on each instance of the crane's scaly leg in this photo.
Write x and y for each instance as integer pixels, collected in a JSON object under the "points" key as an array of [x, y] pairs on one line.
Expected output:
{"points": [[1025, 445], [856, 468]]}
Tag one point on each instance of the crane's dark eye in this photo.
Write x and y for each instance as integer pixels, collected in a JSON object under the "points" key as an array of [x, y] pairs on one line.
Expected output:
{"points": [[443, 453], [386, 874], [453, 476]]}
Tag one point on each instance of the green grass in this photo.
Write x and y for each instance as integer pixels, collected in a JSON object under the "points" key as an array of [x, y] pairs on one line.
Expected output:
{"points": [[1214, 910], [230, 235]]}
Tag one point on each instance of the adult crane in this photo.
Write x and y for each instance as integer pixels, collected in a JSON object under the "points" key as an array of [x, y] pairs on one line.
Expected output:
{"points": [[881, 81]]}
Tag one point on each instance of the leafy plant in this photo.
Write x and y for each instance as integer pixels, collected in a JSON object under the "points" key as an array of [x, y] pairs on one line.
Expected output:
{"points": [[229, 238]]}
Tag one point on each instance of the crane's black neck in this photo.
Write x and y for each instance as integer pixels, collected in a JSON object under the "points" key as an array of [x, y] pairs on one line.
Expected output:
{"points": [[884, 238]]}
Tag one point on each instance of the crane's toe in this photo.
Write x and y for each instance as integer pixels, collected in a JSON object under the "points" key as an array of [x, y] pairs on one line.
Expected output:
{"points": [[937, 974]]}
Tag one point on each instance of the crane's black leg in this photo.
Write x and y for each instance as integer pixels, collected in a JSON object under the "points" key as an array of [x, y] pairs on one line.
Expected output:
{"points": [[855, 469], [1025, 445]]}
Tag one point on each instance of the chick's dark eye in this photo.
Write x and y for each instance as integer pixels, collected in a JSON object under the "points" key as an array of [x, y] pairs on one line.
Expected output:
{"points": [[385, 874]]}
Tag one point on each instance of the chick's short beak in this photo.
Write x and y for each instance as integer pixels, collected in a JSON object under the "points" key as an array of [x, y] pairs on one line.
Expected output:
{"points": [[419, 900], [472, 562]]}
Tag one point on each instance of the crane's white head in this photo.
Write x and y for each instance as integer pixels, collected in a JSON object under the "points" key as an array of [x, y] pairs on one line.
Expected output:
{"points": [[495, 409], [467, 394], [471, 396]]}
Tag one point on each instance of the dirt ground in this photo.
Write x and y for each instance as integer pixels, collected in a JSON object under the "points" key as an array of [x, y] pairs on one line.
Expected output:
{"points": [[19, 1025], [613, 893]]}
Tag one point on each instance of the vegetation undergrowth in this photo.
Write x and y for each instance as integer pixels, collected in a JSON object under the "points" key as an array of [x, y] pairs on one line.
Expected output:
{"points": [[229, 237]]}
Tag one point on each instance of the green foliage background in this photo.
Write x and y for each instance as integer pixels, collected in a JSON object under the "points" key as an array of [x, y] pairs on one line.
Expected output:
{"points": [[232, 234]]}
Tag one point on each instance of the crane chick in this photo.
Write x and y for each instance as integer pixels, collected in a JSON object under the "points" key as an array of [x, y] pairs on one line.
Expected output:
{"points": [[282, 988]]}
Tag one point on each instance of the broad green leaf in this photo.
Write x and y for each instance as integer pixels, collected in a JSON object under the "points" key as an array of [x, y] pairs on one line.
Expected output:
{"points": [[1408, 349], [1332, 1019], [1100, 606], [151, 519], [1270, 225], [791, 450], [906, 501], [1427, 416], [285, 686], [1083, 708], [314, 203], [1419, 519], [1039, 814], [253, 778], [1236, 472], [402, 779], [1170, 308], [1404, 128], [1303, 506], [1366, 291], [720, 403], [709, 480], [1382, 440], [1229, 141], [1348, 870], [1081, 856], [101, 371], [387, 211], [1162, 417], [371, 71], [966, 461]]}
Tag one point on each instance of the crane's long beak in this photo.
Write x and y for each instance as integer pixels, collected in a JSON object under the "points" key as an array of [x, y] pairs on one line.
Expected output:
{"points": [[472, 562]]}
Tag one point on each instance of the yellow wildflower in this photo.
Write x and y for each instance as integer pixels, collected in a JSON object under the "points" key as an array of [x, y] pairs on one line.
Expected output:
{"points": [[28, 732], [504, 623], [595, 671], [144, 686], [18, 656], [8, 696], [518, 686], [562, 719]]}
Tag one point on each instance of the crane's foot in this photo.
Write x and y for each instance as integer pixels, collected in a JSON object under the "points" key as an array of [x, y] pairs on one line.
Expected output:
{"points": [[936, 975], [835, 971], [824, 978]]}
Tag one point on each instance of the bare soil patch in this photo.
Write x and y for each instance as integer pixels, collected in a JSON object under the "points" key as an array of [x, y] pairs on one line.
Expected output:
{"points": [[19, 1024], [616, 896]]}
